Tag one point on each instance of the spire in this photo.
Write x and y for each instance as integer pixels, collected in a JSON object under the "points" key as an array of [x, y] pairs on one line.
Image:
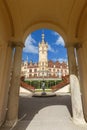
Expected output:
{"points": [[43, 35]]}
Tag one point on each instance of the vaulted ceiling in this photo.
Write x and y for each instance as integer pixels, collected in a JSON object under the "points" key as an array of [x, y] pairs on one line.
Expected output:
{"points": [[18, 18]]}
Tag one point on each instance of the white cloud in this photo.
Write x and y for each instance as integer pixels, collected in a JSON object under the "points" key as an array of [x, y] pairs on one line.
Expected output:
{"points": [[31, 48], [54, 59], [55, 33], [29, 45], [60, 41], [50, 48], [62, 59]]}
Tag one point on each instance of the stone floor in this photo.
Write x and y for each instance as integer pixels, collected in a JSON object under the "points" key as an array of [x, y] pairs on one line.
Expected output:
{"points": [[45, 113]]}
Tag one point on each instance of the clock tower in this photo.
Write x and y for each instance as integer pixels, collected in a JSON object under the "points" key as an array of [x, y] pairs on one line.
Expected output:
{"points": [[43, 57]]}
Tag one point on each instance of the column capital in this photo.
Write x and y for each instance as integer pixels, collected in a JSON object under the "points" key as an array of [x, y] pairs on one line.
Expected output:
{"points": [[72, 41], [69, 45], [14, 44], [78, 45]]}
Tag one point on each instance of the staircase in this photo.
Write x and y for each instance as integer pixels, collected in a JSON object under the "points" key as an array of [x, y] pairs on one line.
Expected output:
{"points": [[61, 84], [26, 86]]}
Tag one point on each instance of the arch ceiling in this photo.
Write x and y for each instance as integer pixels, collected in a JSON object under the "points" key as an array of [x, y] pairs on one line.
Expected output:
{"points": [[60, 15]]}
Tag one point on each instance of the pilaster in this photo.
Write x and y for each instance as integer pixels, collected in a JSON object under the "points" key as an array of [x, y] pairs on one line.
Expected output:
{"points": [[5, 64], [72, 60], [82, 60], [13, 101], [77, 109]]}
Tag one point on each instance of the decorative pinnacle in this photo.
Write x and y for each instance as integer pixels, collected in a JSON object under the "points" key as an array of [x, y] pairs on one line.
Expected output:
{"points": [[43, 37]]}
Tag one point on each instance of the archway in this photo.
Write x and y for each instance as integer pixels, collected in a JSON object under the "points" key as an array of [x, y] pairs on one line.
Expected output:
{"points": [[78, 93], [68, 26], [70, 52], [53, 41], [34, 41]]}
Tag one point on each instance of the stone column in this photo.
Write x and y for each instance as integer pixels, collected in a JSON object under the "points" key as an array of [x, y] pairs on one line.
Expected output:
{"points": [[5, 64], [77, 109], [13, 101], [72, 60], [82, 60]]}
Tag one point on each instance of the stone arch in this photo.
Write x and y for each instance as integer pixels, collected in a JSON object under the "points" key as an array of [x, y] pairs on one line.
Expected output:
{"points": [[5, 23], [82, 26], [47, 25], [74, 20], [9, 17]]}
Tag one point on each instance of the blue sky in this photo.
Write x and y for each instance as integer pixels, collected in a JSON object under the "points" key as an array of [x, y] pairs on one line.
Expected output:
{"points": [[56, 50]]}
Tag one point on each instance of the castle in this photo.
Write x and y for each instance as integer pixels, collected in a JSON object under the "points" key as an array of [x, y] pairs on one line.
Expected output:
{"points": [[44, 68]]}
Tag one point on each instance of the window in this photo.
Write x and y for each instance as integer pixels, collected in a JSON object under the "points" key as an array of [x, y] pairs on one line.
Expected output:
{"points": [[35, 70], [30, 75], [35, 75], [53, 69], [30, 70]]}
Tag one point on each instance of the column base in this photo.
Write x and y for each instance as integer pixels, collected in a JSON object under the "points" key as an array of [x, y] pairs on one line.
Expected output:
{"points": [[79, 121], [1, 122], [11, 123]]}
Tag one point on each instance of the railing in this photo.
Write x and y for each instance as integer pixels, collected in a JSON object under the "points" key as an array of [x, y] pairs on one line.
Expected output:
{"points": [[61, 84], [26, 86], [54, 88]]}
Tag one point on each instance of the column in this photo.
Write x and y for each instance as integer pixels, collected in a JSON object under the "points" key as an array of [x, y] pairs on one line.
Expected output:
{"points": [[77, 109], [13, 101], [5, 64], [82, 62], [72, 60]]}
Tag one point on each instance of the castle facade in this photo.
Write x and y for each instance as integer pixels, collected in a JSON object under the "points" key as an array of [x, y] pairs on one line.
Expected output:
{"points": [[44, 68]]}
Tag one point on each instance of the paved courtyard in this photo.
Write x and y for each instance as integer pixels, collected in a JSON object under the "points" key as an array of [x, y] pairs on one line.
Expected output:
{"points": [[45, 113]]}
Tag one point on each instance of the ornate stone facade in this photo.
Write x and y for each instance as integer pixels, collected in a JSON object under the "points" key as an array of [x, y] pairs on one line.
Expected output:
{"points": [[44, 68], [55, 70]]}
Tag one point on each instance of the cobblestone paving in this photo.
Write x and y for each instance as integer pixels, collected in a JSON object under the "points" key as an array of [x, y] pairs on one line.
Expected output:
{"points": [[49, 113]]}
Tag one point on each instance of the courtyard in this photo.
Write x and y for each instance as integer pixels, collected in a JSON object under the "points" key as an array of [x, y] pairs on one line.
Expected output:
{"points": [[45, 113]]}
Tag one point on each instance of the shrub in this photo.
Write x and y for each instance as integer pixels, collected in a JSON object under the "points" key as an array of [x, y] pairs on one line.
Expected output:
{"points": [[48, 83]]}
